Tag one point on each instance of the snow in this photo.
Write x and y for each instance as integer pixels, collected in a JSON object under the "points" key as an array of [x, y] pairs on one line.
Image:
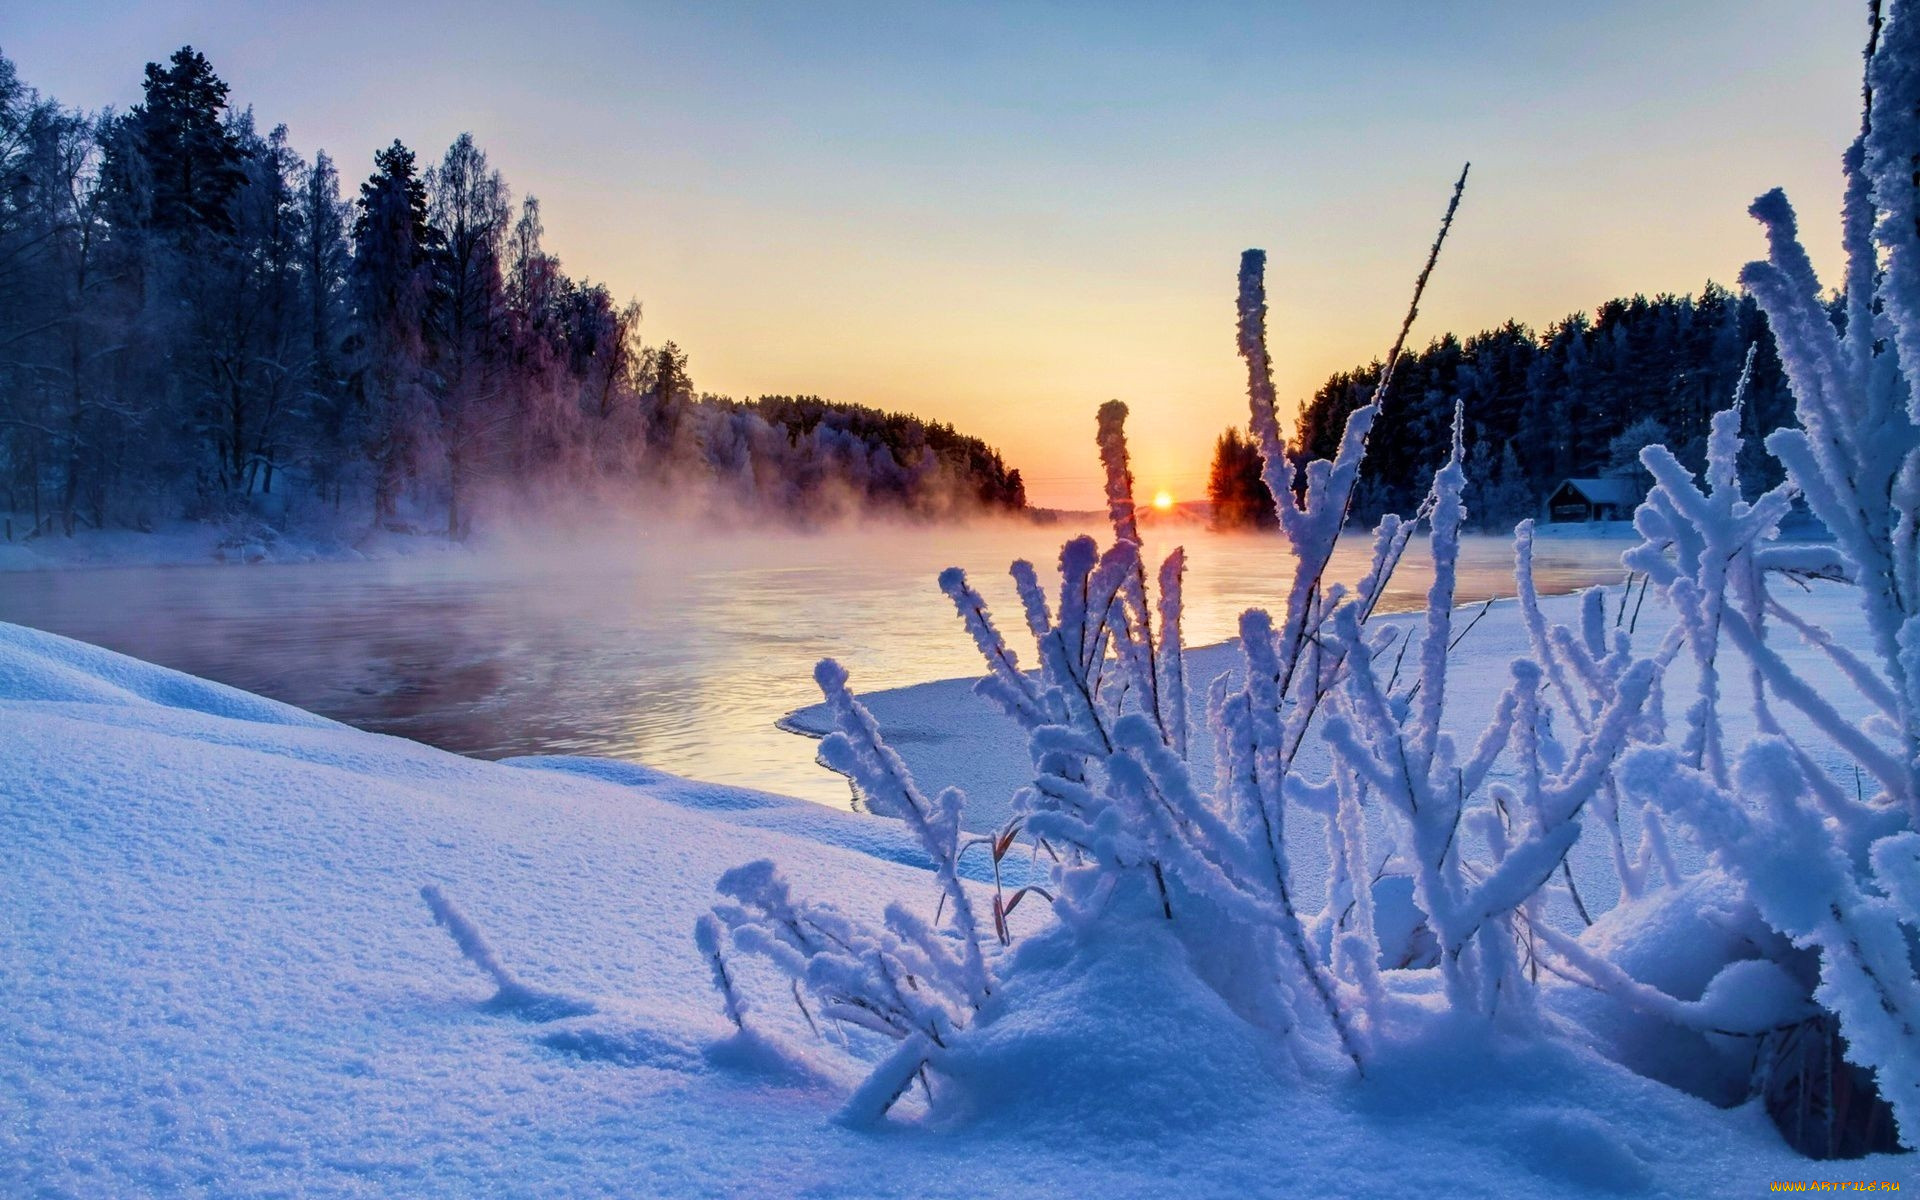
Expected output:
{"points": [[218, 976]]}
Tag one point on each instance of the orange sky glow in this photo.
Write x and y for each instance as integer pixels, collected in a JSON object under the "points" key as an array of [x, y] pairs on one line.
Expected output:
{"points": [[1001, 216]]}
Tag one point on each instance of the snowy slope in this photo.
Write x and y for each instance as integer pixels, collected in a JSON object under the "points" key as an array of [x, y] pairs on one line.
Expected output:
{"points": [[218, 977]]}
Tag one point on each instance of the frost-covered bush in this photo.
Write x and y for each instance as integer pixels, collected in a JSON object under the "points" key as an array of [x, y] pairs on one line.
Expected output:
{"points": [[1137, 838], [1443, 891], [1830, 864]]}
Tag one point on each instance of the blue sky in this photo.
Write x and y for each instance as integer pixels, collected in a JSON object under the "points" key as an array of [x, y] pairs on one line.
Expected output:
{"points": [[1003, 215]]}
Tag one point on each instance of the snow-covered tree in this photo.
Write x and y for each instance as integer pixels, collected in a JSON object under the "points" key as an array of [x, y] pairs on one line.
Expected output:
{"points": [[469, 206], [1623, 451]]}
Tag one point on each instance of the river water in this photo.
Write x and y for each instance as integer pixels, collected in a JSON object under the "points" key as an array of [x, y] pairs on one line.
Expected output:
{"points": [[675, 649]]}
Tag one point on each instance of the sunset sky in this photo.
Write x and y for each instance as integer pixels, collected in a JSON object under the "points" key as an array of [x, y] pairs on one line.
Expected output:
{"points": [[1002, 216]]}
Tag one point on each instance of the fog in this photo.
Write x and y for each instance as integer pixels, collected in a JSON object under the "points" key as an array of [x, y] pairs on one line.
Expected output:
{"points": [[671, 645]]}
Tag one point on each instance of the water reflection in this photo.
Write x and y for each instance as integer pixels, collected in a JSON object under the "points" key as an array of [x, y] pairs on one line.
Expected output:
{"points": [[680, 652]]}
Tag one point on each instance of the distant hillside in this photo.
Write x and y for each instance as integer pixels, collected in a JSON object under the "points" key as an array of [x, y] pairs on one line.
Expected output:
{"points": [[805, 457]]}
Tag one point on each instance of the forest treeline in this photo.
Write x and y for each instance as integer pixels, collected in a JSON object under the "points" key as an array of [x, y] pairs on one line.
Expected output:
{"points": [[1579, 400], [195, 323]]}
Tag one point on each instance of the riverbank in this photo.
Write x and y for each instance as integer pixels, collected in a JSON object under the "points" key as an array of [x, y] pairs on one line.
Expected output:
{"points": [[199, 544]]}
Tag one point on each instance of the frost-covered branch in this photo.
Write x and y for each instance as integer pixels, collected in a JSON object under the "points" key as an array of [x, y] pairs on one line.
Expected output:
{"points": [[1819, 863], [511, 995], [857, 750]]}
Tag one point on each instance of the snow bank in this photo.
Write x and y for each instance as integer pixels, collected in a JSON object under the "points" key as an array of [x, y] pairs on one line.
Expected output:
{"points": [[218, 977]]}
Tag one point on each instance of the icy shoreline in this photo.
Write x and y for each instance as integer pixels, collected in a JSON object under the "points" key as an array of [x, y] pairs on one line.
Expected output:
{"points": [[201, 544]]}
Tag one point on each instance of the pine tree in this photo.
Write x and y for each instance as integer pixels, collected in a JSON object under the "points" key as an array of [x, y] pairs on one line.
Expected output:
{"points": [[1235, 489], [247, 360], [1497, 495], [1561, 399], [668, 396], [393, 249], [193, 324], [189, 163]]}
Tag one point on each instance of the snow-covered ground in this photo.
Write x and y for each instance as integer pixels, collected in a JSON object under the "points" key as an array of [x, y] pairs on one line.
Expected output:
{"points": [[218, 977]]}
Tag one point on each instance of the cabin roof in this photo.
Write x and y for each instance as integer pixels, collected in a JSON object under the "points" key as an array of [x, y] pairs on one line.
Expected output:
{"points": [[1619, 492]]}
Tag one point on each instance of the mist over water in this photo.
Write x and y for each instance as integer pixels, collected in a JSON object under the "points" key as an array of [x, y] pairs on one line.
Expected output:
{"points": [[675, 648]]}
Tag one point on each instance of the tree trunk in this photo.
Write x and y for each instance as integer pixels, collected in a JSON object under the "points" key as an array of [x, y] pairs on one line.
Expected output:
{"points": [[456, 481]]}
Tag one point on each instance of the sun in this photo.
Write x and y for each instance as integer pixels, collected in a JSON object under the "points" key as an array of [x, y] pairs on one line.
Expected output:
{"points": [[1163, 500]]}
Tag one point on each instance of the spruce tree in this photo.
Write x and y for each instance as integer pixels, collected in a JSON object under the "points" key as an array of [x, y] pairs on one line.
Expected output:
{"points": [[1236, 491], [187, 164], [394, 246]]}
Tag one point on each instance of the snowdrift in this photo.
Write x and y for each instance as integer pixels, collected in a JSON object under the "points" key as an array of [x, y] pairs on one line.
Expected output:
{"points": [[218, 977]]}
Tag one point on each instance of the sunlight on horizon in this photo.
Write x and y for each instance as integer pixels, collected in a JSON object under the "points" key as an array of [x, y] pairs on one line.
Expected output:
{"points": [[1000, 217]]}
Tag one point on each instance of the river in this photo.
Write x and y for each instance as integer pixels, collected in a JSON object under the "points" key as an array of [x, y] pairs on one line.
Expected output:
{"points": [[677, 649]]}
